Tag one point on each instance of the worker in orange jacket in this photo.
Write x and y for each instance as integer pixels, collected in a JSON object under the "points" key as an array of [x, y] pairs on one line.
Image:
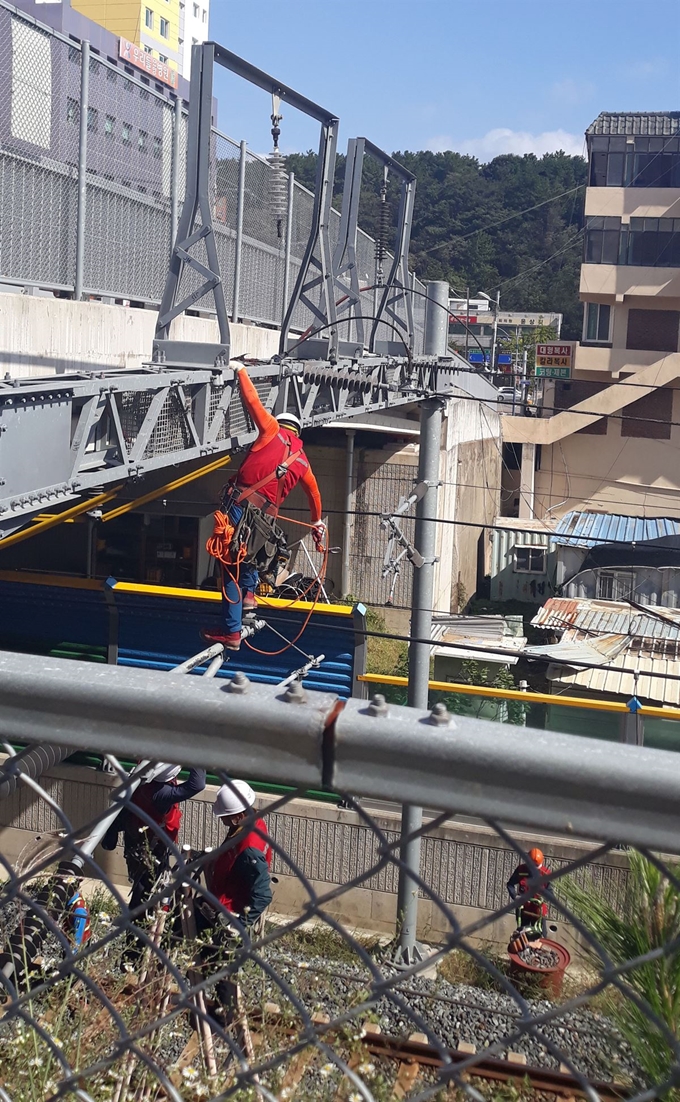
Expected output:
{"points": [[273, 466]]}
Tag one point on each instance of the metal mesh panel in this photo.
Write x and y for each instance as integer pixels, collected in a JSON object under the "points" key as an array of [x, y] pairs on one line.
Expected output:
{"points": [[129, 171], [39, 122], [182, 988], [171, 432], [378, 489], [263, 255], [133, 406]]}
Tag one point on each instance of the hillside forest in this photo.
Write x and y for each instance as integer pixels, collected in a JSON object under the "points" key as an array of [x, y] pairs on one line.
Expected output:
{"points": [[468, 228]]}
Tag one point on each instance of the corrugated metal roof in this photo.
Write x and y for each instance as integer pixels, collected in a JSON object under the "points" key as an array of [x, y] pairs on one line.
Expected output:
{"points": [[576, 649], [607, 617], [654, 682], [653, 124], [580, 529], [479, 631]]}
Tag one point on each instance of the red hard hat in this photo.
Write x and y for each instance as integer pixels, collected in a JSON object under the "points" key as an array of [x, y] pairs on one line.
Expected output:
{"points": [[536, 856]]}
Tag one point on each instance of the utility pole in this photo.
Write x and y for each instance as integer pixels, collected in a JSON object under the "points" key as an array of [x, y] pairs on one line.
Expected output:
{"points": [[495, 331], [467, 322], [421, 613]]}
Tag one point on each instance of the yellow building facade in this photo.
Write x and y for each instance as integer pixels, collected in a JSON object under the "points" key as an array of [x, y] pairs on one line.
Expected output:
{"points": [[153, 25]]}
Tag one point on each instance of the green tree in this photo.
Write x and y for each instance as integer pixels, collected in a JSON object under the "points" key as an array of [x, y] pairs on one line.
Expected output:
{"points": [[517, 343], [468, 228], [646, 928]]}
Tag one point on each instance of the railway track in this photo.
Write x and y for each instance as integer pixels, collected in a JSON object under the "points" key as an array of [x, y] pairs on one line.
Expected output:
{"points": [[416, 1053]]}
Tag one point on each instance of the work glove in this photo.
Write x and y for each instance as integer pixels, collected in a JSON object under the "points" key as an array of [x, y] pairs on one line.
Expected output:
{"points": [[319, 535]]}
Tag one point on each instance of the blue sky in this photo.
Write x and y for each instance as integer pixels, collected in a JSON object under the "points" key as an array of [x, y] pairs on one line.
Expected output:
{"points": [[482, 77]]}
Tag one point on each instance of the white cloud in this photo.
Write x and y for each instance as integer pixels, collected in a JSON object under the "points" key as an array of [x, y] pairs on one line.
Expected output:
{"points": [[502, 140], [644, 69]]}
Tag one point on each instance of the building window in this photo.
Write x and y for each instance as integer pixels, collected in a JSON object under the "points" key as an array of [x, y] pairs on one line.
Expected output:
{"points": [[148, 18], [597, 322], [651, 242], [111, 76], [126, 132], [613, 585], [148, 50], [205, 16], [634, 161], [602, 240], [92, 119], [529, 560], [194, 42], [653, 330], [142, 141], [163, 58], [165, 28], [72, 111], [197, 11], [109, 126], [74, 54], [157, 147]]}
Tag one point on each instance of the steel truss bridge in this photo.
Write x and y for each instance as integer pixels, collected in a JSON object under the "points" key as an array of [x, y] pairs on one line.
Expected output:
{"points": [[69, 436]]}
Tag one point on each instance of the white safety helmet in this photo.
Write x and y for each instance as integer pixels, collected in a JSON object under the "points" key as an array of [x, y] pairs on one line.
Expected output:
{"points": [[166, 772], [290, 419], [233, 799]]}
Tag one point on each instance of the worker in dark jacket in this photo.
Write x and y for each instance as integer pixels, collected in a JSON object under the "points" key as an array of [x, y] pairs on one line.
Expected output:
{"points": [[273, 466], [146, 850], [532, 913]]}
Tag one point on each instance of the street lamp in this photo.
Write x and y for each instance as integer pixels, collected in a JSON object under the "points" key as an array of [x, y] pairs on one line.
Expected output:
{"points": [[496, 306]]}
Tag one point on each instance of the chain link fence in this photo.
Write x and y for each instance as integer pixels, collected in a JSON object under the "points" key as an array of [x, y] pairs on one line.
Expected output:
{"points": [[132, 157], [285, 984]]}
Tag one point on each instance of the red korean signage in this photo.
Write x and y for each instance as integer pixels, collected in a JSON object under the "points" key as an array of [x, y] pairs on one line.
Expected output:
{"points": [[137, 56]]}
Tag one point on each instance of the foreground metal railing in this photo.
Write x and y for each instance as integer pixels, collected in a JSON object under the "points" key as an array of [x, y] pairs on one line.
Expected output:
{"points": [[307, 1003]]}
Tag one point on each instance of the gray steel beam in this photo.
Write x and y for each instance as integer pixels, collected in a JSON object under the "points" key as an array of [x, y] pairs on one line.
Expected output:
{"points": [[44, 464], [269, 84], [567, 783]]}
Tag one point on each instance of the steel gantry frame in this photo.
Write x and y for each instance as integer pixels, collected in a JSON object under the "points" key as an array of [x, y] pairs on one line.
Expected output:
{"points": [[395, 287]]}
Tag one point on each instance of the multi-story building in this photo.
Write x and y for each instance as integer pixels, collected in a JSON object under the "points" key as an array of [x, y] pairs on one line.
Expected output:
{"points": [[165, 29], [608, 436], [194, 19], [471, 323]]}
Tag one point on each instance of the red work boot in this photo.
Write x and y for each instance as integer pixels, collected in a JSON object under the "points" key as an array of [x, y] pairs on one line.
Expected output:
{"points": [[249, 602], [231, 641]]}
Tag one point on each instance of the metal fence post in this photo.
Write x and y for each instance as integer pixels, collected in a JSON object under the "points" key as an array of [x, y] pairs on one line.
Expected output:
{"points": [[289, 235], [419, 658], [240, 200], [82, 169], [174, 173]]}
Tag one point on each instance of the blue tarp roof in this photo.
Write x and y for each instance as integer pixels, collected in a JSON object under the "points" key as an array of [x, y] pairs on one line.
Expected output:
{"points": [[579, 529]]}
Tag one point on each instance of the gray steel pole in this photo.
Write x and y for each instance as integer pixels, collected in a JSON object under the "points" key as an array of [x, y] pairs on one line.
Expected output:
{"points": [[419, 654], [239, 231], [174, 177], [347, 519], [289, 238], [82, 169], [494, 339], [437, 318]]}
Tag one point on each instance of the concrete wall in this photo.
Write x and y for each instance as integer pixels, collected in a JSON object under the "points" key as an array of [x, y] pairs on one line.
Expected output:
{"points": [[465, 865], [633, 476], [50, 336]]}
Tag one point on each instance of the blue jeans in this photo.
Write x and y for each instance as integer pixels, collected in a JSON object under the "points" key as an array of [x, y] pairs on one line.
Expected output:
{"points": [[233, 593]]}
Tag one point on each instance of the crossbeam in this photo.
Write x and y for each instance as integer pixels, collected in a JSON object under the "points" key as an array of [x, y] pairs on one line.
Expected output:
{"points": [[64, 437]]}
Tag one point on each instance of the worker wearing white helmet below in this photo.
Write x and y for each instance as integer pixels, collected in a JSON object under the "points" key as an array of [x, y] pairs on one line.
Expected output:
{"points": [[146, 850], [239, 875], [247, 541]]}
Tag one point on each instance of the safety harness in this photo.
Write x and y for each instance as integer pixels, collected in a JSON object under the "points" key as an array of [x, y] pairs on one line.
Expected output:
{"points": [[255, 537]]}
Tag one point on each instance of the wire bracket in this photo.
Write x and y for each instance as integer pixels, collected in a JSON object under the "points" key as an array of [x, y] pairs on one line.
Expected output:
{"points": [[389, 523]]}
